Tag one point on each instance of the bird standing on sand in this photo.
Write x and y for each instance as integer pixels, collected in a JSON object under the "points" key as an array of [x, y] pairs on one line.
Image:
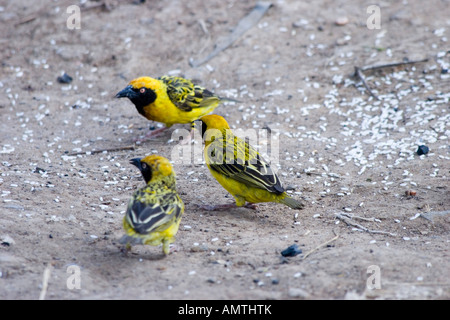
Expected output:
{"points": [[154, 212], [239, 168]]}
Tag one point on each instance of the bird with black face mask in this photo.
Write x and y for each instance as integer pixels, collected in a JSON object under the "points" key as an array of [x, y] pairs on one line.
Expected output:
{"points": [[154, 212], [169, 100]]}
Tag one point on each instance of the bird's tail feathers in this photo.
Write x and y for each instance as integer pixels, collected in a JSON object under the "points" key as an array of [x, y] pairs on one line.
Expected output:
{"points": [[223, 99], [292, 203], [130, 240]]}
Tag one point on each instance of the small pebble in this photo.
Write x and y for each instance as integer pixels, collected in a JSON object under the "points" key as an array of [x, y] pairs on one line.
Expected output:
{"points": [[341, 21], [291, 251], [422, 150], [65, 78], [6, 240]]}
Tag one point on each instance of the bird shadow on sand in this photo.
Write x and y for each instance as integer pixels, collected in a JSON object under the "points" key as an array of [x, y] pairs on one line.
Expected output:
{"points": [[234, 213], [138, 253]]}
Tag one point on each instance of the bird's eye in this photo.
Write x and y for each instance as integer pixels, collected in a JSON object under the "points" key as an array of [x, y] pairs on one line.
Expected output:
{"points": [[144, 165], [142, 90]]}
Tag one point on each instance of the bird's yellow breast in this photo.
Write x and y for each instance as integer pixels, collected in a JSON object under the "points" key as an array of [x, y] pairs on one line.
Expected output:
{"points": [[163, 110]]}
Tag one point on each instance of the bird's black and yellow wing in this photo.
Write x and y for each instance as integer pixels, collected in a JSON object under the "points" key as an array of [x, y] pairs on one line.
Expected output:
{"points": [[186, 96], [238, 160], [148, 212]]}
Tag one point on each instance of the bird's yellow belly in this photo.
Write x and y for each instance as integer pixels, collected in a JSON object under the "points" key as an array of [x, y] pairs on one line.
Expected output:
{"points": [[155, 237], [243, 193]]}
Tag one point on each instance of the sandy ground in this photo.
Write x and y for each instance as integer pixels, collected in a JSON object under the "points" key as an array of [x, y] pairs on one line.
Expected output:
{"points": [[347, 155]]}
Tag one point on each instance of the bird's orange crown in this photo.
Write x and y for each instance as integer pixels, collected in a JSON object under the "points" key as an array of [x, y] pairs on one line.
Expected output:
{"points": [[215, 121], [145, 82], [160, 166]]}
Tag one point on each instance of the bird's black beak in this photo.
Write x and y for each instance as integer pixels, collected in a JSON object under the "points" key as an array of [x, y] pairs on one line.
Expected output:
{"points": [[127, 92], [143, 168], [136, 162]]}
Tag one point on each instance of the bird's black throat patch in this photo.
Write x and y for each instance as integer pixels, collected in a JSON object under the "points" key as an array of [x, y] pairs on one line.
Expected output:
{"points": [[204, 128], [146, 173]]}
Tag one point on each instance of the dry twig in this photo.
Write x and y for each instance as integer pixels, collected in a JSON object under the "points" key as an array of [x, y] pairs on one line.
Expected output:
{"points": [[429, 215], [106, 4], [392, 65], [344, 217], [131, 147], [45, 279], [321, 245], [359, 72], [245, 24], [351, 216], [360, 75]]}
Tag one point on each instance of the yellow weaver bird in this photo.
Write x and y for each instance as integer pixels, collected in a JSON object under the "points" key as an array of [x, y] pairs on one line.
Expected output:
{"points": [[154, 212], [239, 168], [169, 100]]}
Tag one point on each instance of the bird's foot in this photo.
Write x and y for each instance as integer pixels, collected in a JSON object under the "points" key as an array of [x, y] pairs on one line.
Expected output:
{"points": [[217, 207], [252, 206], [125, 249], [150, 134], [227, 206], [187, 140]]}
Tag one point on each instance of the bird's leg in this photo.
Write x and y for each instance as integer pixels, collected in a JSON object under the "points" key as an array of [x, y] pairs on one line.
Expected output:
{"points": [[168, 247], [226, 206], [252, 206], [151, 134], [188, 139], [126, 249], [218, 207], [173, 248]]}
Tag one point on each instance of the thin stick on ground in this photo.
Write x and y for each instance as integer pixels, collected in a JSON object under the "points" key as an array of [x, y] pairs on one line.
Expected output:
{"points": [[38, 13], [360, 75], [392, 65], [131, 147], [348, 221], [351, 216], [321, 245], [429, 215], [45, 279], [329, 174], [359, 72], [243, 26]]}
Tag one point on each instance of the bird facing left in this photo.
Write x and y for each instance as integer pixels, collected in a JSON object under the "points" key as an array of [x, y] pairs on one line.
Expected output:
{"points": [[154, 212], [169, 100]]}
